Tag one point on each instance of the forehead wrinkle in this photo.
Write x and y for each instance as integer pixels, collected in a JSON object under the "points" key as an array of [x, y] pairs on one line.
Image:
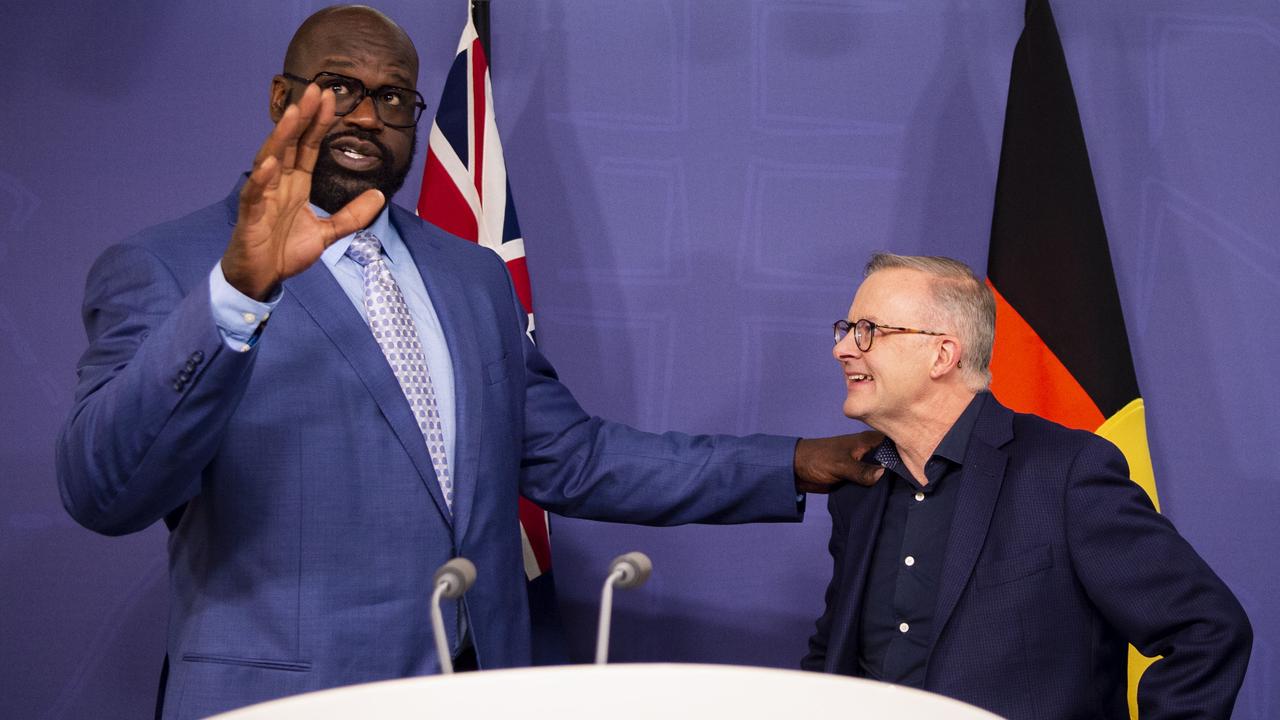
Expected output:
{"points": [[399, 74]]}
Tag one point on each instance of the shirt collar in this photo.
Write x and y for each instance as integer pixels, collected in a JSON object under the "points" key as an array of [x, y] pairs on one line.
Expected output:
{"points": [[954, 444], [392, 246]]}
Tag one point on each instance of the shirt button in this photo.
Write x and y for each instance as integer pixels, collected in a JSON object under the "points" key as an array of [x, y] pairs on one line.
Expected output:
{"points": [[909, 561], [250, 318], [919, 496], [903, 627]]}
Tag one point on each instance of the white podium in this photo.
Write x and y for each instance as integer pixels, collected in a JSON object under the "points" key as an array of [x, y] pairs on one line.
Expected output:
{"points": [[619, 692]]}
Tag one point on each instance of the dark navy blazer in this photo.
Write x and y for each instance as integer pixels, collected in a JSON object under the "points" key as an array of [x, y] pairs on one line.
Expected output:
{"points": [[313, 520], [1055, 561]]}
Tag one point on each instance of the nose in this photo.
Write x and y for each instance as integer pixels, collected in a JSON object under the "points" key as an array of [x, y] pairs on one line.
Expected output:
{"points": [[364, 115], [846, 348]]}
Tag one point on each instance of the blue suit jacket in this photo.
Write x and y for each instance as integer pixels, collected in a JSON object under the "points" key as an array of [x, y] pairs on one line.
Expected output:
{"points": [[1055, 561], [307, 517]]}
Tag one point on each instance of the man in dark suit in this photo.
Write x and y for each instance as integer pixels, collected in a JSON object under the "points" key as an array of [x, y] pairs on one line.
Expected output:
{"points": [[1004, 560], [316, 472]]}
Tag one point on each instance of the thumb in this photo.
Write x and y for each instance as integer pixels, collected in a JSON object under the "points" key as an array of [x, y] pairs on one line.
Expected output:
{"points": [[356, 214]]}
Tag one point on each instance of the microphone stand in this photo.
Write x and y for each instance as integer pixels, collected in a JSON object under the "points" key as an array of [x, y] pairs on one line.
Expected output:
{"points": [[452, 580], [626, 571]]}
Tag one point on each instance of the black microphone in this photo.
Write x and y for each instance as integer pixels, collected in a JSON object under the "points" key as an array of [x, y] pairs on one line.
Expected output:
{"points": [[452, 580], [626, 571]]}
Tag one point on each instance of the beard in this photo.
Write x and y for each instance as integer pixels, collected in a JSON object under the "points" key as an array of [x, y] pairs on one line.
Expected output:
{"points": [[333, 186]]}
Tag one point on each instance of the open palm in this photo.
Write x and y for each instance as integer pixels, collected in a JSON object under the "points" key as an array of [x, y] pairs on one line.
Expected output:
{"points": [[277, 235]]}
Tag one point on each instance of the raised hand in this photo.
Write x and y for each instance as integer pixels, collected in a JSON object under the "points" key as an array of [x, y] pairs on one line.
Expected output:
{"points": [[822, 464], [277, 235]]}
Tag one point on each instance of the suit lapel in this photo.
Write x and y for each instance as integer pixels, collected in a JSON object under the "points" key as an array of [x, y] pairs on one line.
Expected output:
{"points": [[448, 297], [322, 297], [983, 474], [864, 512]]}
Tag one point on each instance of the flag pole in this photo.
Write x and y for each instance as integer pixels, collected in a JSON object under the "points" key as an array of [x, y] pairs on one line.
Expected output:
{"points": [[480, 18]]}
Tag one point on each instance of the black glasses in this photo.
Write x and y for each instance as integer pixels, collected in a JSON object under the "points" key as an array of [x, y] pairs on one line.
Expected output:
{"points": [[396, 107], [864, 331]]}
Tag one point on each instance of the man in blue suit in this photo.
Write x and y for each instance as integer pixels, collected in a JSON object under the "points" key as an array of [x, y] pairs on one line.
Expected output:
{"points": [[325, 399], [1004, 560]]}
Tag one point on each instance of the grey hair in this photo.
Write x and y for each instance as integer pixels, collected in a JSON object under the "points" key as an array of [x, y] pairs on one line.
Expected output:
{"points": [[961, 299]]}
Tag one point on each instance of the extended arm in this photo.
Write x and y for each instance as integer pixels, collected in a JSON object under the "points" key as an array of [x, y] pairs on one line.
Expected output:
{"points": [[585, 466]]}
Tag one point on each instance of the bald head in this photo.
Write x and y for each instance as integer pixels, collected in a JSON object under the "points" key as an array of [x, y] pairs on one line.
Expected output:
{"points": [[344, 28], [346, 46]]}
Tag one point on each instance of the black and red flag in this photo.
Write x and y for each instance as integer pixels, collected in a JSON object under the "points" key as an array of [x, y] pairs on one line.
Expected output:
{"points": [[1062, 351]]}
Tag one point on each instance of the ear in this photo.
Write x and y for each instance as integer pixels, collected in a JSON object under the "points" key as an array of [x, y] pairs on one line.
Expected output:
{"points": [[946, 358], [279, 97]]}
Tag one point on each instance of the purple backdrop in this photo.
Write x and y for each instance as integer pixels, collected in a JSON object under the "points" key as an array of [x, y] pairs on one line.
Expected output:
{"points": [[699, 182]]}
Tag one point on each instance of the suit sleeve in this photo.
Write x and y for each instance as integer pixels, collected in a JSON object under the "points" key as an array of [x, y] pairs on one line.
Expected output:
{"points": [[582, 466], [816, 658], [1154, 588], [156, 388]]}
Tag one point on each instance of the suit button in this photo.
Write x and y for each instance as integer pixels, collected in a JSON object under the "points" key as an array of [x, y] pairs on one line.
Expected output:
{"points": [[909, 561], [919, 496], [184, 376], [903, 627], [197, 357], [177, 386]]}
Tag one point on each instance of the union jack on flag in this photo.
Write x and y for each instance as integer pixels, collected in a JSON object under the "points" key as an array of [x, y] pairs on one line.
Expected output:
{"points": [[465, 192]]}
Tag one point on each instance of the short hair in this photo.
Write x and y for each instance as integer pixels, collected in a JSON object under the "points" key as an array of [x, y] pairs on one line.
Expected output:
{"points": [[960, 298]]}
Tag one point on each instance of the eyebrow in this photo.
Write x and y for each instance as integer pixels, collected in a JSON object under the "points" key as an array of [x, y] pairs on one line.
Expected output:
{"points": [[399, 74]]}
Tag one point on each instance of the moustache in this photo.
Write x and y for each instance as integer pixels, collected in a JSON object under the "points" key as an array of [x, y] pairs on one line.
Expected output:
{"points": [[388, 157]]}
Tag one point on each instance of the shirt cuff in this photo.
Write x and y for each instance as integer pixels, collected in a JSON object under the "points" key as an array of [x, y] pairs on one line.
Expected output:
{"points": [[240, 318]]}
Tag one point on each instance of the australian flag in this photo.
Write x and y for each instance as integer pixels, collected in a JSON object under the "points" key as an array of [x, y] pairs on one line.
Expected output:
{"points": [[465, 191]]}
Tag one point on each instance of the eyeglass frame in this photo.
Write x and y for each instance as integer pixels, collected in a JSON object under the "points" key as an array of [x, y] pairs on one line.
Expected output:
{"points": [[419, 106], [852, 327]]}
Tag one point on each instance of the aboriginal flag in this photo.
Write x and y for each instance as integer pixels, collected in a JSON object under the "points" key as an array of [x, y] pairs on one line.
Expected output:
{"points": [[1061, 348]]}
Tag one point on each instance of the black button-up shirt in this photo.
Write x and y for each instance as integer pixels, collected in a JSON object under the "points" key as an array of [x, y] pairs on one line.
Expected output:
{"points": [[896, 628]]}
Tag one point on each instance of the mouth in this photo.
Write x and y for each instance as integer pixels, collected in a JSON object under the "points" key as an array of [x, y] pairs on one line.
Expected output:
{"points": [[355, 155]]}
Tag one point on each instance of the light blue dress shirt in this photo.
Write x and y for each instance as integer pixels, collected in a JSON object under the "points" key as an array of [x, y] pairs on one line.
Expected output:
{"points": [[239, 316]]}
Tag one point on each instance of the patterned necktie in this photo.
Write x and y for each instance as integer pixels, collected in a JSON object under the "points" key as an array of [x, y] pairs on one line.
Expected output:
{"points": [[393, 328]]}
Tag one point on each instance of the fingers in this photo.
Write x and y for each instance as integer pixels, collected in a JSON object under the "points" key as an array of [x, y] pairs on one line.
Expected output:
{"points": [[310, 111], [864, 442], [289, 142], [354, 215], [309, 148], [298, 118], [822, 464], [853, 449], [864, 473], [286, 130], [265, 176], [295, 139], [827, 479]]}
